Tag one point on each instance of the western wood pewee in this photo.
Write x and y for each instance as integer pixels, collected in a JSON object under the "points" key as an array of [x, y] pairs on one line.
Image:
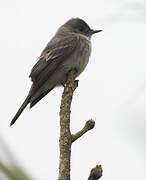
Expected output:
{"points": [[70, 48]]}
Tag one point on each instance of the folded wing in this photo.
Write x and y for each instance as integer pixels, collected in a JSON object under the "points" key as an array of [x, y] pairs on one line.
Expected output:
{"points": [[50, 59]]}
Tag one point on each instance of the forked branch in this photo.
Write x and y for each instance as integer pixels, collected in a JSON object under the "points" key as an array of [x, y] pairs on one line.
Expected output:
{"points": [[66, 138]]}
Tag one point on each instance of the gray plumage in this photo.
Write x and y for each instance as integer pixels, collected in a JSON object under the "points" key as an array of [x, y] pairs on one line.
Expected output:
{"points": [[70, 48]]}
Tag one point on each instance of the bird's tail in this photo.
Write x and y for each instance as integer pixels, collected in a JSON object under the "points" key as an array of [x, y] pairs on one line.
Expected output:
{"points": [[25, 103]]}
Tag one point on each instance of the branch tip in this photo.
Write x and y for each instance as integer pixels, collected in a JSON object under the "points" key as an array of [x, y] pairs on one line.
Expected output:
{"points": [[96, 173], [90, 124]]}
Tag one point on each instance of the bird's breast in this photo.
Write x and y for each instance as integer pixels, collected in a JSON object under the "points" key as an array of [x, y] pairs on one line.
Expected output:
{"points": [[84, 51], [80, 57]]}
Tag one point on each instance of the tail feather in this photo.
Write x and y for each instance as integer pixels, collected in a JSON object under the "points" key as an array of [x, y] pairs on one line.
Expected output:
{"points": [[38, 98], [25, 103]]}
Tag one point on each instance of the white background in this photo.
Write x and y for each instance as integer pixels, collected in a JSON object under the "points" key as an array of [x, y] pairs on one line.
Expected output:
{"points": [[112, 89]]}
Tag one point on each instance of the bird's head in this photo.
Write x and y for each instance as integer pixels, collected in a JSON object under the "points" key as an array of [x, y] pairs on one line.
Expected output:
{"points": [[77, 25]]}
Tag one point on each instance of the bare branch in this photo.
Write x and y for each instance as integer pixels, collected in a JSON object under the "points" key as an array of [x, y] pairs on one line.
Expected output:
{"points": [[88, 126], [66, 138], [65, 135]]}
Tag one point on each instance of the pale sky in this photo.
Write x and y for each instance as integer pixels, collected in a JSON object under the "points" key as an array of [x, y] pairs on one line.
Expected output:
{"points": [[112, 89]]}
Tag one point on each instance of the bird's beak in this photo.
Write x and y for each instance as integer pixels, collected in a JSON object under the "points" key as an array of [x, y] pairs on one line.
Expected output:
{"points": [[95, 31]]}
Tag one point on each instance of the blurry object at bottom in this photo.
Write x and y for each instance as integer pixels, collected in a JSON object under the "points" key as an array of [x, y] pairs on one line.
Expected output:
{"points": [[9, 167]]}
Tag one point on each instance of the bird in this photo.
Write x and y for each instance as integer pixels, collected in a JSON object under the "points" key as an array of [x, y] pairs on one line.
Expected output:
{"points": [[70, 48]]}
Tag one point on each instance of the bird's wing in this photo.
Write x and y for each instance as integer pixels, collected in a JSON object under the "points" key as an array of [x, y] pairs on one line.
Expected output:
{"points": [[50, 58]]}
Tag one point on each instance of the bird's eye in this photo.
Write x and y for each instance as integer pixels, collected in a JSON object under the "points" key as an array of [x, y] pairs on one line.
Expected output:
{"points": [[81, 29]]}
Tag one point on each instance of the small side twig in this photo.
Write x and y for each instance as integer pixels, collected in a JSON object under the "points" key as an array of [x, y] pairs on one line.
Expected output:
{"points": [[95, 173], [88, 126]]}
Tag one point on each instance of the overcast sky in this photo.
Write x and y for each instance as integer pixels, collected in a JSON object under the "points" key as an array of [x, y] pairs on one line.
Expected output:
{"points": [[112, 89]]}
